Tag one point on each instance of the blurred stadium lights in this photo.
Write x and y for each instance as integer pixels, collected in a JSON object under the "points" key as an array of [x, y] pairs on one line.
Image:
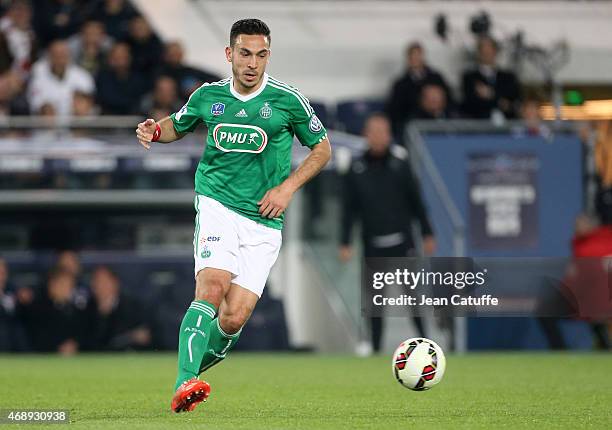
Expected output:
{"points": [[590, 110]]}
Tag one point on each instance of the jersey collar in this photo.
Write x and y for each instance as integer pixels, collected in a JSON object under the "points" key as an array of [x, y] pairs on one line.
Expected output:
{"points": [[264, 82]]}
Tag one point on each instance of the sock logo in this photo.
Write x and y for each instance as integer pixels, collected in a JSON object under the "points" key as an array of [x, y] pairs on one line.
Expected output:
{"points": [[195, 330]]}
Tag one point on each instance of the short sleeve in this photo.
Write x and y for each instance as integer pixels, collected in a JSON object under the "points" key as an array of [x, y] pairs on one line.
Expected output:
{"points": [[188, 117], [306, 125]]}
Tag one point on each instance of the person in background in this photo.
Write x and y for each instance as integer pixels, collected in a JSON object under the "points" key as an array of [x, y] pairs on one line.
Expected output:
{"points": [[381, 192], [119, 87], [187, 78], [84, 104], [164, 97], [488, 90], [16, 26], [115, 15], [586, 286], [56, 78], [403, 101], [55, 321], [57, 19], [433, 103], [116, 321], [146, 48], [13, 100], [11, 331], [533, 124], [90, 46]]}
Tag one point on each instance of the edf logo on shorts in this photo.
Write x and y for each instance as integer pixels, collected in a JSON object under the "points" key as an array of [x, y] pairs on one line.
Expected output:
{"points": [[217, 109]]}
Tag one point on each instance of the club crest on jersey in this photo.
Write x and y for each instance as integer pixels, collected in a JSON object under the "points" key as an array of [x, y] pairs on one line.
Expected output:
{"points": [[266, 111], [217, 109], [315, 124], [240, 138]]}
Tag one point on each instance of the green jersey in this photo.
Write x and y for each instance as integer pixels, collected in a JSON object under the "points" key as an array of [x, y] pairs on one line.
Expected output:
{"points": [[248, 146]]}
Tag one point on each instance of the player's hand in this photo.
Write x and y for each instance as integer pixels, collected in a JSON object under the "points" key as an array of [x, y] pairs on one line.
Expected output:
{"points": [[145, 132], [275, 201], [345, 253]]}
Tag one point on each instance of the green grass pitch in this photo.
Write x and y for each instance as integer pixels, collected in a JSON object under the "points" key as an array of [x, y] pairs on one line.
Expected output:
{"points": [[286, 391]]}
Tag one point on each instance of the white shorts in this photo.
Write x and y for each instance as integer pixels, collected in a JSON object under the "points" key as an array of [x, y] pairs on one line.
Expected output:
{"points": [[226, 240]]}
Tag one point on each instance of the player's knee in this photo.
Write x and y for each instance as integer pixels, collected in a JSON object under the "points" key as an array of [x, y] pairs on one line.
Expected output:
{"points": [[211, 287]]}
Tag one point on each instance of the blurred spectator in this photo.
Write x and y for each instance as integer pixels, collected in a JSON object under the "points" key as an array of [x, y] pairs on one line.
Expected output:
{"points": [[603, 168], [187, 78], [16, 26], [163, 99], [585, 288], [57, 19], [145, 46], [488, 89], [532, 120], [11, 332], [83, 104], [403, 101], [90, 46], [116, 322], [119, 87], [12, 98], [381, 192], [69, 262], [56, 78], [115, 15], [433, 103], [55, 321]]}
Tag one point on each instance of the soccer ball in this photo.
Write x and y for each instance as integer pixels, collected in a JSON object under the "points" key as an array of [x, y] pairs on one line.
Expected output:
{"points": [[418, 363]]}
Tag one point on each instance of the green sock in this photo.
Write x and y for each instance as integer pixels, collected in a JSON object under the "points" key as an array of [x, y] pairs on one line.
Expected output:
{"points": [[193, 339], [219, 344]]}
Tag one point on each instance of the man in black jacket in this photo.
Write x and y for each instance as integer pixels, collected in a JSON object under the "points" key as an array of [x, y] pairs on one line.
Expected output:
{"points": [[381, 192], [488, 88], [403, 101]]}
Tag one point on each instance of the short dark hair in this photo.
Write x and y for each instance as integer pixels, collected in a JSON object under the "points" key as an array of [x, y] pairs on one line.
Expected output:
{"points": [[249, 26]]}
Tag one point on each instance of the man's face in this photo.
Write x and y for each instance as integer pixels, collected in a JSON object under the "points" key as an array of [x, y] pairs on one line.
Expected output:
{"points": [[104, 286], [416, 58], [120, 57], [69, 261], [174, 54], [59, 56], [249, 57], [61, 288], [93, 33], [487, 52], [165, 91], [433, 99], [377, 132]]}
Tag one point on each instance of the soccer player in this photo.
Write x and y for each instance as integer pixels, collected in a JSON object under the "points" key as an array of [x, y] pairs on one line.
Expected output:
{"points": [[243, 185]]}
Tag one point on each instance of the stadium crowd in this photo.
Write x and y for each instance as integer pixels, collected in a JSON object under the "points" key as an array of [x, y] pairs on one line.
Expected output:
{"points": [[71, 312], [73, 57]]}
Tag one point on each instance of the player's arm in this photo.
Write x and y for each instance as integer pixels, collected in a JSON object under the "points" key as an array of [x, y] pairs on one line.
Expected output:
{"points": [[172, 127], [276, 200], [147, 130]]}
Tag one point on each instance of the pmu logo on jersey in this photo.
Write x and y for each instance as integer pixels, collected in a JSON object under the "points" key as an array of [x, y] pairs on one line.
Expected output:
{"points": [[217, 109], [240, 138]]}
